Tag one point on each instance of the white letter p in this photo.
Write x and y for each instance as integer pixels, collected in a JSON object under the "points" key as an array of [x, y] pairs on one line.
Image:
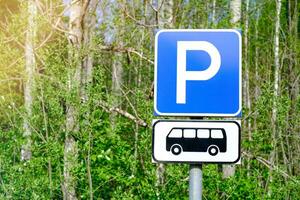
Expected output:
{"points": [[183, 75]]}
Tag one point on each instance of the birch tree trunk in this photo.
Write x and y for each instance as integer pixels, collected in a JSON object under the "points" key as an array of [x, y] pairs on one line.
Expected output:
{"points": [[235, 6], [213, 15], [117, 82], [257, 78], [74, 78], [165, 14], [88, 34], [293, 18], [81, 26], [30, 64], [117, 65], [276, 62], [87, 71], [247, 99], [165, 21], [276, 89], [246, 82]]}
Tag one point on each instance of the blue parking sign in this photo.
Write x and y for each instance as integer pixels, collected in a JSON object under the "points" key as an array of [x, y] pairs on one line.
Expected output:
{"points": [[198, 72]]}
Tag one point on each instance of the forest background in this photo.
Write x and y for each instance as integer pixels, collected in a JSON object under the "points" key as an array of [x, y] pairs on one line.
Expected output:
{"points": [[76, 99]]}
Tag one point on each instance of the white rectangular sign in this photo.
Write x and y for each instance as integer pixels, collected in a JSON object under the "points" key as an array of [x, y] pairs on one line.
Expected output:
{"points": [[195, 141]]}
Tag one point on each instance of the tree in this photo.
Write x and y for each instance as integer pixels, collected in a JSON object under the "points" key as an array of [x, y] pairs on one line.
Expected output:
{"points": [[292, 20], [72, 126], [276, 88], [213, 15], [87, 72], [81, 22], [117, 65], [235, 6], [30, 65], [165, 20]]}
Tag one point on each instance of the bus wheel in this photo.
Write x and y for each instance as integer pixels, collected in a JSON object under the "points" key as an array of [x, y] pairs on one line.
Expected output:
{"points": [[213, 150], [176, 149]]}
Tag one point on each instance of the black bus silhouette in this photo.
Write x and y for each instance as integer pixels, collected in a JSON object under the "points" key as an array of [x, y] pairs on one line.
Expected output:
{"points": [[212, 140]]}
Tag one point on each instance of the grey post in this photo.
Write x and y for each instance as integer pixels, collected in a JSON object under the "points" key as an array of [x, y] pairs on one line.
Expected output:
{"points": [[195, 182]]}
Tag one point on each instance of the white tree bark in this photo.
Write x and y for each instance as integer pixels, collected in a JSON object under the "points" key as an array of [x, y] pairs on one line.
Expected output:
{"points": [[235, 6], [117, 80], [165, 13], [165, 21], [257, 79], [247, 99], [293, 52], [81, 26], [213, 15], [30, 65], [87, 71], [276, 75], [88, 34], [117, 65], [276, 56], [276, 87], [70, 150]]}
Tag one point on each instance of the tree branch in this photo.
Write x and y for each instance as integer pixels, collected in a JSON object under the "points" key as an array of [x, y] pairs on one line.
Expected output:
{"points": [[125, 50], [269, 165], [107, 108]]}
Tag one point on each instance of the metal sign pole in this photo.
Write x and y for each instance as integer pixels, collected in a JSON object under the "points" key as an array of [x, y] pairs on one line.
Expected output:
{"points": [[195, 182], [195, 179]]}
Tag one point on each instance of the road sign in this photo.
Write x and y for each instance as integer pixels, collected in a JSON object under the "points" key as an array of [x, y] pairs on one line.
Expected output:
{"points": [[192, 141], [198, 73]]}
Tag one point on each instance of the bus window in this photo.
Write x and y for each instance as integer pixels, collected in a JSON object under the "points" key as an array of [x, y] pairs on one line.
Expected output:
{"points": [[189, 133], [216, 134], [175, 133], [202, 133]]}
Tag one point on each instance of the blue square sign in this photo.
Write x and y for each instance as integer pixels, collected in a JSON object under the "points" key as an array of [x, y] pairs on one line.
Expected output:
{"points": [[198, 72]]}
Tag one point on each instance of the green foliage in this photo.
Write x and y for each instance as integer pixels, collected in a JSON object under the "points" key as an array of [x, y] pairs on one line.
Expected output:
{"points": [[120, 154]]}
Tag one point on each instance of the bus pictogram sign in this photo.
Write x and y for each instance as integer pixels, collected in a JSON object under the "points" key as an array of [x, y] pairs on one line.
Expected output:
{"points": [[196, 141]]}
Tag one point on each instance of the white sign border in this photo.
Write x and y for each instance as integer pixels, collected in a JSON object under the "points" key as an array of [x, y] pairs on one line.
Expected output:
{"points": [[198, 114]]}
